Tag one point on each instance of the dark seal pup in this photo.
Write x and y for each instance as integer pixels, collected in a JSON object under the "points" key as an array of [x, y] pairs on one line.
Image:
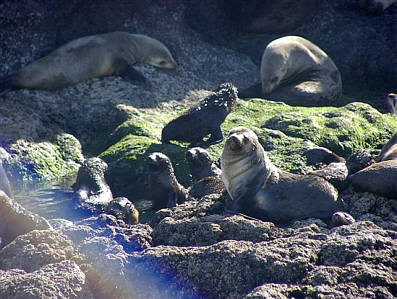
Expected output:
{"points": [[164, 189], [201, 164], [88, 57], [203, 119], [297, 72], [259, 189]]}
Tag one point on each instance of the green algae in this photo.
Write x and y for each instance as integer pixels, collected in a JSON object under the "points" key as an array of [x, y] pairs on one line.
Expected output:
{"points": [[284, 131]]}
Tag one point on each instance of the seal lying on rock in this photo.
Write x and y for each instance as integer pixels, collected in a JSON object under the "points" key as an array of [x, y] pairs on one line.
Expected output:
{"points": [[91, 190], [203, 119], [259, 189], [342, 218], [201, 164], [297, 72], [380, 177], [164, 189], [321, 155], [88, 57]]}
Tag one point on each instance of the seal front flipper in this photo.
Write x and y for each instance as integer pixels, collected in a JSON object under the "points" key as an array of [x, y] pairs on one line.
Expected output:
{"points": [[127, 72]]}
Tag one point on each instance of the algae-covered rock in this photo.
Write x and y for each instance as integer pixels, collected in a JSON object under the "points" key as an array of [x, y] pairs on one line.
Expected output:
{"points": [[286, 132]]}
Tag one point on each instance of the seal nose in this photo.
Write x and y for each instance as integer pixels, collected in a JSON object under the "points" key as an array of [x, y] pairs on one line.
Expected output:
{"points": [[234, 143]]}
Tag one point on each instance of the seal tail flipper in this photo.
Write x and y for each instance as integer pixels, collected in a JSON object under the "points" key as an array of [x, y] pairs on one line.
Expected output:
{"points": [[6, 85]]}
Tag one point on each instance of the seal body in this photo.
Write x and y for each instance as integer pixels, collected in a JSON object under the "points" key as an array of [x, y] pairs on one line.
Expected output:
{"points": [[201, 164], [297, 72], [122, 208], [259, 189], [92, 56], [391, 103], [164, 188], [389, 150], [203, 119]]}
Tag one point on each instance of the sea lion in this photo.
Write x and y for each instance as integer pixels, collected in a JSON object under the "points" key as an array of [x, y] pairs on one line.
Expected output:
{"points": [[391, 103], [164, 189], [203, 119], [88, 57], [297, 72], [123, 208], [259, 189], [389, 150], [201, 164]]}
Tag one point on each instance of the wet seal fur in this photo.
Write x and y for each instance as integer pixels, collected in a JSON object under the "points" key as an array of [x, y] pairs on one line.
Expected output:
{"points": [[259, 189], [201, 164], [203, 119], [297, 72], [88, 57], [164, 188], [379, 177]]}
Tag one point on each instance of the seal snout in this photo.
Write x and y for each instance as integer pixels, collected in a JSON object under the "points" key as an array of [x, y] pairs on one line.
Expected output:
{"points": [[234, 143]]}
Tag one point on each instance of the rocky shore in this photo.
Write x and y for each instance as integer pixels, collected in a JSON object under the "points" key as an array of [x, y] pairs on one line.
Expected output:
{"points": [[197, 249]]}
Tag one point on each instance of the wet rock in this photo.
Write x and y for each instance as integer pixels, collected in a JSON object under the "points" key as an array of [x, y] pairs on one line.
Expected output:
{"points": [[59, 280], [15, 220]]}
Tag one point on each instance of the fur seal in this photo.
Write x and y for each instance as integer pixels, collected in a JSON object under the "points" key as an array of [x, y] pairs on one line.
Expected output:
{"points": [[123, 208], [389, 150], [203, 119], [259, 189], [342, 218], [321, 155], [164, 189], [201, 164], [206, 186], [297, 72], [91, 189], [92, 56]]}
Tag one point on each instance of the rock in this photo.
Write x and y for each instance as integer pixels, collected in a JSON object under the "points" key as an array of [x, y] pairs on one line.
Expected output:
{"points": [[359, 160], [15, 220], [60, 280], [335, 173]]}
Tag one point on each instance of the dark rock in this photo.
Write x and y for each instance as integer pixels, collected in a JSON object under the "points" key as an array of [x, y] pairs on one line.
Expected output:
{"points": [[359, 160]]}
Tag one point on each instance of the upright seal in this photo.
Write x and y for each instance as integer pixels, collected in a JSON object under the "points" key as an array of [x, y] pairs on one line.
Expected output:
{"points": [[259, 189], [88, 57]]}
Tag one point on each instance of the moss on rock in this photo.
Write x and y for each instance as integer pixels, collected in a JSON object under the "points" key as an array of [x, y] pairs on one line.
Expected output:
{"points": [[284, 131]]}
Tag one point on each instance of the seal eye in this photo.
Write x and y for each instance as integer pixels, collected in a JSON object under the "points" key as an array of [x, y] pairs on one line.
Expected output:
{"points": [[245, 139]]}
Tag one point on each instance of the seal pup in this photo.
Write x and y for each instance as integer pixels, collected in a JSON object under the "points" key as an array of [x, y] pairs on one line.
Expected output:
{"points": [[321, 155], [123, 208], [389, 150], [164, 189], [91, 189], [297, 72], [342, 218], [108, 54], [203, 119], [201, 164], [259, 189]]}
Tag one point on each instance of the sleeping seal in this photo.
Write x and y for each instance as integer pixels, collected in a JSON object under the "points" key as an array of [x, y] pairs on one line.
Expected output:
{"points": [[297, 72], [259, 189], [88, 57]]}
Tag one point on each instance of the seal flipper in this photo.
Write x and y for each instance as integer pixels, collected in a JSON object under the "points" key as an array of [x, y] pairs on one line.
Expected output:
{"points": [[124, 70], [254, 91]]}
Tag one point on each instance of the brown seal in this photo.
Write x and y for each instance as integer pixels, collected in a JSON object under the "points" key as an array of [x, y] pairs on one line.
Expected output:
{"points": [[297, 72], [122, 208], [201, 164], [389, 150], [92, 56], [342, 218], [259, 189], [203, 119], [164, 189]]}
